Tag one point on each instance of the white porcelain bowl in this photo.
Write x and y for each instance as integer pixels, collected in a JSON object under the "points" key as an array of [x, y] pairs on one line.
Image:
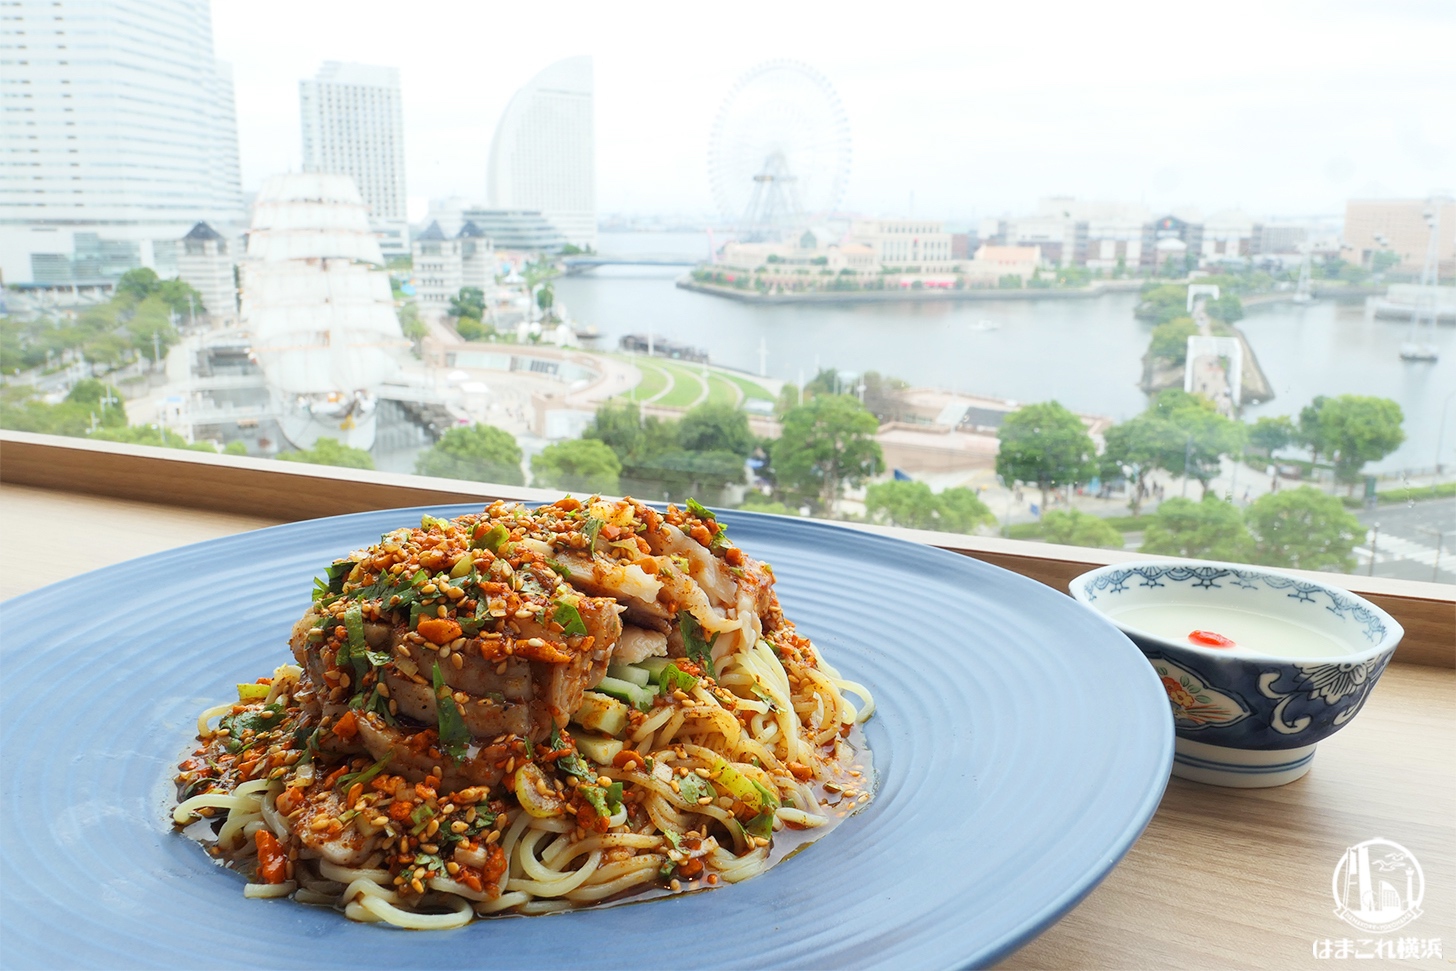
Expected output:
{"points": [[1304, 659]]}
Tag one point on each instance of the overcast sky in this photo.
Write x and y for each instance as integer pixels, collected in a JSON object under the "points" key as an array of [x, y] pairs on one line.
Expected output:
{"points": [[964, 109]]}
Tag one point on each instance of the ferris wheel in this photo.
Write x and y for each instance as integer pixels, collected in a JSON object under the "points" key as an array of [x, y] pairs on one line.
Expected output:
{"points": [[780, 148]]}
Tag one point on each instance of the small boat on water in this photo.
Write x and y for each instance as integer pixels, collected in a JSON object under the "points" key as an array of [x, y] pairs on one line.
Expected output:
{"points": [[1417, 351], [984, 325]]}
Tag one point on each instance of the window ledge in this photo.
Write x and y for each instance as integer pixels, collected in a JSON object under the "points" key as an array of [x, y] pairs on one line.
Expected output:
{"points": [[285, 492]]}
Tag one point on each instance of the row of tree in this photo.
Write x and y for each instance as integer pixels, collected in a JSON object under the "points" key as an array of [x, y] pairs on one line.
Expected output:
{"points": [[1301, 528], [1184, 435], [136, 321]]}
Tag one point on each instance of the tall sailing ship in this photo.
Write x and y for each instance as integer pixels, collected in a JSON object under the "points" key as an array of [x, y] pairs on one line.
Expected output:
{"points": [[317, 304]]}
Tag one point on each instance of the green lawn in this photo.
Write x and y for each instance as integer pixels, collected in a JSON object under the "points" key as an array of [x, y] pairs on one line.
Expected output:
{"points": [[722, 391], [686, 388], [749, 388], [654, 381], [687, 385]]}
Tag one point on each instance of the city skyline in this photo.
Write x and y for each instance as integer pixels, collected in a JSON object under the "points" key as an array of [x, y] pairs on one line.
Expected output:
{"points": [[1282, 111], [118, 136]]}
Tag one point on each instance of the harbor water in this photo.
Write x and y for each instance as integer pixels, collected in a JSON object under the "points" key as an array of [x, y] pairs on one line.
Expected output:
{"points": [[1085, 353]]}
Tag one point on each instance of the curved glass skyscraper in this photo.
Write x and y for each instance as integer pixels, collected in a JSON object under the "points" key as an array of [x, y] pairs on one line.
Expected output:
{"points": [[543, 156]]}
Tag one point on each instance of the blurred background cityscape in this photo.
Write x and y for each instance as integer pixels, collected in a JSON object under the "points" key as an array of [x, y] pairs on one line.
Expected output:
{"points": [[1188, 288]]}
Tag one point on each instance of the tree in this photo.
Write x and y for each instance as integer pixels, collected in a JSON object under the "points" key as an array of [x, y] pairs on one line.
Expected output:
{"points": [[138, 284], [1162, 303], [1210, 529], [1227, 308], [151, 328], [826, 442], [469, 302], [961, 511], [546, 298], [478, 453], [1170, 340], [883, 396], [470, 329], [1269, 434], [1045, 444], [716, 428], [579, 465], [1359, 429], [626, 432], [1207, 436], [135, 286], [411, 325], [1135, 448], [89, 403], [908, 504], [152, 435], [1303, 529], [330, 451], [1312, 434], [1072, 527], [913, 505]]}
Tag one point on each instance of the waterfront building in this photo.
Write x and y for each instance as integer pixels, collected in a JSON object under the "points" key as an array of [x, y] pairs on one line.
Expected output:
{"points": [[353, 125], [206, 264], [1060, 235], [992, 263], [1170, 227], [912, 244], [119, 134], [444, 264], [1100, 235], [518, 230], [1230, 236], [1400, 226], [543, 155]]}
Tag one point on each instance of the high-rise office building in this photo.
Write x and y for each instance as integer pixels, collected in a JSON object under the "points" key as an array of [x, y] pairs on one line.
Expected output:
{"points": [[543, 156], [117, 134], [353, 125]]}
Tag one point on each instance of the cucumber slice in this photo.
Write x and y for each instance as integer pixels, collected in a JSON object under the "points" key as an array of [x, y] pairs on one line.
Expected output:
{"points": [[626, 691], [600, 713], [599, 750], [629, 672], [654, 665]]}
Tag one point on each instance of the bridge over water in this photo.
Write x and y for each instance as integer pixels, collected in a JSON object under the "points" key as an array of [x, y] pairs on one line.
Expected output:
{"points": [[583, 263]]}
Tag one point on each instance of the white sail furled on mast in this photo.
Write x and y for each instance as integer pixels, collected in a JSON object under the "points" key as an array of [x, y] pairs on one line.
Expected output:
{"points": [[319, 307], [310, 215]]}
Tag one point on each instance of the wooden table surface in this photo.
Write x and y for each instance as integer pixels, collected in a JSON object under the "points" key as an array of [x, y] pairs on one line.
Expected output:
{"points": [[1222, 878]]}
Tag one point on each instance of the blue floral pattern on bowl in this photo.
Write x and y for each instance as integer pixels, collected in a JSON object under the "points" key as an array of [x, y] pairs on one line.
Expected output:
{"points": [[1243, 701]]}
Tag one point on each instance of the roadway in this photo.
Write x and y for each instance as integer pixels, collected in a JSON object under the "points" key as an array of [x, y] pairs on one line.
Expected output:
{"points": [[1416, 540]]}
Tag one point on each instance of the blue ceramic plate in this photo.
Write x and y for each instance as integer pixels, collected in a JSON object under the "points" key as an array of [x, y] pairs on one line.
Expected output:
{"points": [[1021, 745]]}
